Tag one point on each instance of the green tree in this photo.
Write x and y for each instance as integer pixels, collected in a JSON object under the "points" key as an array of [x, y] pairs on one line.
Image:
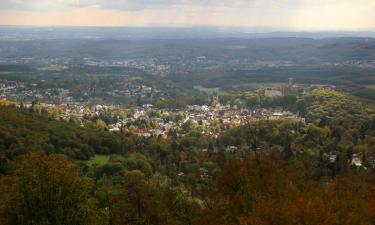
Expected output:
{"points": [[46, 190]]}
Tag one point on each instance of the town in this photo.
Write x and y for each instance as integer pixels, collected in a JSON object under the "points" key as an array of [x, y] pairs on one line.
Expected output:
{"points": [[144, 120], [30, 91]]}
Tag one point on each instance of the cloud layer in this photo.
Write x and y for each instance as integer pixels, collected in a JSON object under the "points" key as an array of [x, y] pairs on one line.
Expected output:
{"points": [[317, 14], [133, 5]]}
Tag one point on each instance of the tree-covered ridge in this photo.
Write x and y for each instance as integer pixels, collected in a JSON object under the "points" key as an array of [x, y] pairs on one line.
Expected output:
{"points": [[22, 132], [329, 105]]}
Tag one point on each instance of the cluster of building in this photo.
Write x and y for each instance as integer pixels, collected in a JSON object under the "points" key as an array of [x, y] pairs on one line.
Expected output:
{"points": [[148, 121], [42, 61], [145, 121], [150, 65], [356, 160], [131, 90], [210, 119], [9, 89], [28, 92], [20, 91], [365, 64], [227, 116]]}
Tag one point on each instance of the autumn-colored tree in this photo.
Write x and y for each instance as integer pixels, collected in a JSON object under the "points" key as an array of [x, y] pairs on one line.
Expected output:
{"points": [[351, 198], [241, 185], [132, 204], [153, 202], [100, 123], [306, 209]]}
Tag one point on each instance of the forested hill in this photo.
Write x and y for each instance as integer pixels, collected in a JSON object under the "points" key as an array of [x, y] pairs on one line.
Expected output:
{"points": [[329, 106], [23, 132], [267, 172]]}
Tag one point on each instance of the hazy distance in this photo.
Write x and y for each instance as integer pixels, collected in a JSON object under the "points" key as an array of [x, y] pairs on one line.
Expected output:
{"points": [[292, 14]]}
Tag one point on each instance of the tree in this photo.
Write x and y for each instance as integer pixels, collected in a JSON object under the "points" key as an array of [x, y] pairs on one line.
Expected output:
{"points": [[306, 209], [131, 205], [253, 136], [100, 123], [46, 190], [153, 202]]}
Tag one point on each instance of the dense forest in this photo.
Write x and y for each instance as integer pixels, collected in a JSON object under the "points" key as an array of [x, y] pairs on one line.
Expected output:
{"points": [[267, 172]]}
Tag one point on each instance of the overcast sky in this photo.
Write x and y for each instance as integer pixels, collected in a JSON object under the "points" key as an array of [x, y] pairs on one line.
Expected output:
{"points": [[298, 14]]}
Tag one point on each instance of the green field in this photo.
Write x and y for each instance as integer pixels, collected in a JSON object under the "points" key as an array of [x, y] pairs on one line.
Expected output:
{"points": [[208, 90], [98, 159], [58, 68], [371, 86]]}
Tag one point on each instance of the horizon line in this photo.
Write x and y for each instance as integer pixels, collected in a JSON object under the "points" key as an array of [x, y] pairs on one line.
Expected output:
{"points": [[269, 28]]}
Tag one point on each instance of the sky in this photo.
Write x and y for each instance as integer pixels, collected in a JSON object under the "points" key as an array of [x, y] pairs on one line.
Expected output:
{"points": [[293, 14]]}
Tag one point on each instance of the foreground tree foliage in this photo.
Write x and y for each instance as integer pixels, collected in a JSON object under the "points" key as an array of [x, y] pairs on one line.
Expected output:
{"points": [[46, 190], [263, 190], [269, 192], [153, 202]]}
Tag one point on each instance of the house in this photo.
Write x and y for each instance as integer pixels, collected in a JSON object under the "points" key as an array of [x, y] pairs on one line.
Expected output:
{"points": [[332, 158], [147, 106], [231, 149], [116, 129], [272, 93], [203, 173], [181, 174], [356, 161]]}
